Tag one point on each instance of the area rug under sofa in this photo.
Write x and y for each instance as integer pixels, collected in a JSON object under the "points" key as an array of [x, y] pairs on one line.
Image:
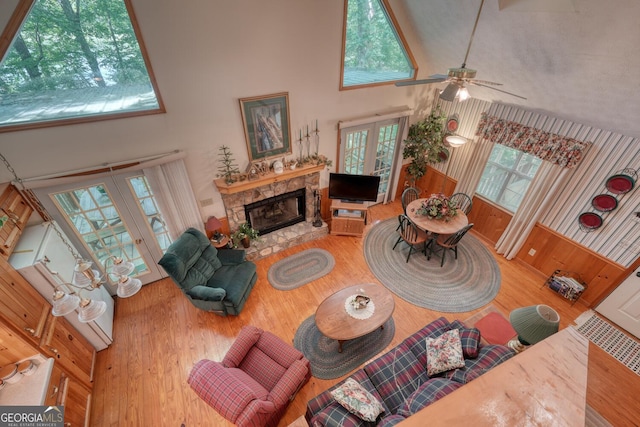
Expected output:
{"points": [[398, 383]]}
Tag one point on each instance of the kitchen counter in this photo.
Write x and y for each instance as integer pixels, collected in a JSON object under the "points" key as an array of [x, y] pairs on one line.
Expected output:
{"points": [[31, 390]]}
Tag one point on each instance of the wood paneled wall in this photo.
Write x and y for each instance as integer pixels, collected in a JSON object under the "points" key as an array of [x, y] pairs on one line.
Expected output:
{"points": [[488, 219], [554, 251]]}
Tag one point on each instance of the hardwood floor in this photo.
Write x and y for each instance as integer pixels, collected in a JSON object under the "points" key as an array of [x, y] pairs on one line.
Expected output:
{"points": [[141, 379]]}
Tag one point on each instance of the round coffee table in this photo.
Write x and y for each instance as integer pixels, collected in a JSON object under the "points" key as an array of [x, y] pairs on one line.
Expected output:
{"points": [[334, 322]]}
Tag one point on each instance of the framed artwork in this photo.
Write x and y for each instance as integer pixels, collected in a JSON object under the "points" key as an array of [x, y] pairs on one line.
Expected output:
{"points": [[266, 125]]}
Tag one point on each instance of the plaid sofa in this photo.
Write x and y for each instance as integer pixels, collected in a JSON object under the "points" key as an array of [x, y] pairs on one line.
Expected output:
{"points": [[399, 380]]}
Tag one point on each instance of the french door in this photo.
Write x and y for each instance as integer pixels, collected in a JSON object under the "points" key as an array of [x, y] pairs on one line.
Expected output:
{"points": [[369, 149], [112, 216]]}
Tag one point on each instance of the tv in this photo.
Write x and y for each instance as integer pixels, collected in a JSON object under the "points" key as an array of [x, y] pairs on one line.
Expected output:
{"points": [[353, 188]]}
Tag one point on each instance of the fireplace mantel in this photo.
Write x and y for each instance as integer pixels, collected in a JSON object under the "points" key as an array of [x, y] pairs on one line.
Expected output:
{"points": [[269, 178]]}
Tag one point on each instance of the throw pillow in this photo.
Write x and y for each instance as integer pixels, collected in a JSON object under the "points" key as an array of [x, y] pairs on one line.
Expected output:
{"points": [[444, 353], [357, 400], [470, 339]]}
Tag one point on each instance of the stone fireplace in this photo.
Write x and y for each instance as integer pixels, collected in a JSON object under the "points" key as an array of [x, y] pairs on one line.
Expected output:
{"points": [[279, 206], [277, 212]]}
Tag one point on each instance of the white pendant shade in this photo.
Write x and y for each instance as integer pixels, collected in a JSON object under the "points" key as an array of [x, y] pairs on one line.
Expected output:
{"points": [[128, 287], [64, 304], [463, 94], [83, 275], [81, 279], [122, 268], [90, 310]]}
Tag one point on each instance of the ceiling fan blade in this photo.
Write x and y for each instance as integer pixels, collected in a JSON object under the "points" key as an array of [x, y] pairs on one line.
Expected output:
{"points": [[421, 82], [499, 90], [439, 76], [486, 82], [449, 93]]}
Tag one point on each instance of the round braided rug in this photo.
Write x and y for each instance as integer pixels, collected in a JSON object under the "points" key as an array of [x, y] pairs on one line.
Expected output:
{"points": [[465, 284], [322, 352]]}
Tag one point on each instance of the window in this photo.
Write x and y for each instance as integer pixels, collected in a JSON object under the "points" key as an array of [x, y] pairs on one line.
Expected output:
{"points": [[374, 48], [507, 175], [149, 207], [73, 61]]}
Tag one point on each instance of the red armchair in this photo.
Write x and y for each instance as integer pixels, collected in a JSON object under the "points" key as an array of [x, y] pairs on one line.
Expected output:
{"points": [[255, 382]]}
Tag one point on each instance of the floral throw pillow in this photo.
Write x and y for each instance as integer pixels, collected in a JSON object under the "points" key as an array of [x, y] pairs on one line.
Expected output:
{"points": [[357, 400], [444, 353]]}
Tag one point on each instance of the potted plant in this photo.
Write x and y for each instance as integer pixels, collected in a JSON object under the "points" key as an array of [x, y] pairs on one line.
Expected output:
{"points": [[244, 234], [425, 145]]}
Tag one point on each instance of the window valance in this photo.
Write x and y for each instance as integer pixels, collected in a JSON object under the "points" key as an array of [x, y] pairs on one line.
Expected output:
{"points": [[561, 150]]}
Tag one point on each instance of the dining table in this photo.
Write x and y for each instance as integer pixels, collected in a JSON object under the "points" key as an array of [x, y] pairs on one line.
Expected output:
{"points": [[433, 225]]}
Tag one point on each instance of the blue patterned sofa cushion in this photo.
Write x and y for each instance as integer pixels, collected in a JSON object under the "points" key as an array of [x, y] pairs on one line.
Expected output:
{"points": [[489, 356], [396, 375], [432, 390], [469, 338]]}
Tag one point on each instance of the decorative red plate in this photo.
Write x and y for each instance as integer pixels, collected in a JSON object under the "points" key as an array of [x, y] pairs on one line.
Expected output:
{"points": [[604, 202], [620, 184], [452, 123], [590, 220]]}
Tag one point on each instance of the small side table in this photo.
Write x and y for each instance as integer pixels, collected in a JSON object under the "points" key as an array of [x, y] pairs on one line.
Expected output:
{"points": [[222, 243]]}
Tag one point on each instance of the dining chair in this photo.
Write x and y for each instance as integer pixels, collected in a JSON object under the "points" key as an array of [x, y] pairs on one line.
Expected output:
{"points": [[445, 242], [411, 235], [409, 195], [462, 201]]}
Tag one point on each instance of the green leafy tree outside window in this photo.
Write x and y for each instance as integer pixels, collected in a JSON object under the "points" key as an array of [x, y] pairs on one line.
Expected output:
{"points": [[71, 59], [374, 52]]}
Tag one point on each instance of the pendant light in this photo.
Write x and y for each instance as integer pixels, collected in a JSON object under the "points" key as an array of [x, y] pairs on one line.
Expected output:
{"points": [[127, 286], [67, 297]]}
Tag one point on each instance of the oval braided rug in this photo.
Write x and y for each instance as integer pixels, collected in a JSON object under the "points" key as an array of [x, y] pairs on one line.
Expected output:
{"points": [[301, 268], [465, 284], [322, 352]]}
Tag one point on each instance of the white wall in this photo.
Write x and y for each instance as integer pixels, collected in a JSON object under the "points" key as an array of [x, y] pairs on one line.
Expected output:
{"points": [[206, 55]]}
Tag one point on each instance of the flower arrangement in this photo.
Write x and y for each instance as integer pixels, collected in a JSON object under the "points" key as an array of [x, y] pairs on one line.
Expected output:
{"points": [[438, 206]]}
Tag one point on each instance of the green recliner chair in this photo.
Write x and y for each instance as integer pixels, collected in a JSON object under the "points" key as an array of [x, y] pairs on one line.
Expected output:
{"points": [[217, 281]]}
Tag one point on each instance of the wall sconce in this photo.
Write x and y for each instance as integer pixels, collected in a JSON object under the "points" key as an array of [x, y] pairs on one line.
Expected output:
{"points": [[455, 140]]}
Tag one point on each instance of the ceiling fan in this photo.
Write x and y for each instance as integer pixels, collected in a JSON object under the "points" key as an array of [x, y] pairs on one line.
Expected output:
{"points": [[458, 78]]}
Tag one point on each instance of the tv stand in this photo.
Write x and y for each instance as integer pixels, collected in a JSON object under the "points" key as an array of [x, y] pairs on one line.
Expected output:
{"points": [[347, 218]]}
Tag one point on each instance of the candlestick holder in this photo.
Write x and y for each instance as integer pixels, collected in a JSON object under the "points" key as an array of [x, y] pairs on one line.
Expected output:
{"points": [[316, 140], [300, 157], [308, 143]]}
